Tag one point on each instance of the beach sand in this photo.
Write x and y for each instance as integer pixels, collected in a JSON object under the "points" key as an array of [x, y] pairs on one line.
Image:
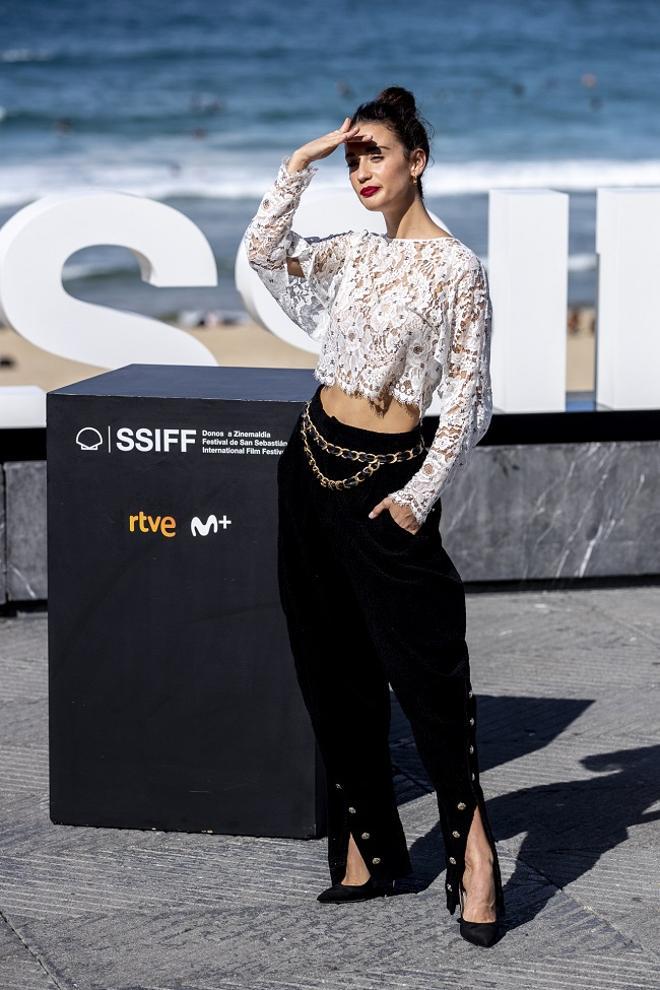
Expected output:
{"points": [[246, 344]]}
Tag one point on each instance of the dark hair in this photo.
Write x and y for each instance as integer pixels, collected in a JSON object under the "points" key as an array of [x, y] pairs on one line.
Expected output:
{"points": [[396, 107]]}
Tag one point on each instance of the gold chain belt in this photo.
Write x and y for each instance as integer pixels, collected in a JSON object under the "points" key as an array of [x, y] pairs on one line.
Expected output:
{"points": [[374, 461]]}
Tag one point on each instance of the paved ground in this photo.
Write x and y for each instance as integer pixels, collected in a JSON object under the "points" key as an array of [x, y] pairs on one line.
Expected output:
{"points": [[566, 685]]}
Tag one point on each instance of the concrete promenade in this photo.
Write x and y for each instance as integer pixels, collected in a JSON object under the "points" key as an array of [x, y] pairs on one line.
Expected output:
{"points": [[569, 743]]}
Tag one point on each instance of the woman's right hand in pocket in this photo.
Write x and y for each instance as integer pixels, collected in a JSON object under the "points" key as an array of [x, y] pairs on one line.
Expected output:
{"points": [[322, 147]]}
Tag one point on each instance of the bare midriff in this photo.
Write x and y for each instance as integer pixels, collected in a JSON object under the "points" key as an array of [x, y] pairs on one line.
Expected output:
{"points": [[386, 416]]}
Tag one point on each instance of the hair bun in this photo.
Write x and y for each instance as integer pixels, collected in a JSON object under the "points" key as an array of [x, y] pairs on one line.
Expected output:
{"points": [[399, 98]]}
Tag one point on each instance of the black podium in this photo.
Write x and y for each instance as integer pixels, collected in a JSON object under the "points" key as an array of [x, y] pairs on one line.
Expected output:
{"points": [[173, 703]]}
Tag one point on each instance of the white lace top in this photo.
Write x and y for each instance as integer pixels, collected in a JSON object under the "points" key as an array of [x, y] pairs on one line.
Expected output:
{"points": [[394, 316]]}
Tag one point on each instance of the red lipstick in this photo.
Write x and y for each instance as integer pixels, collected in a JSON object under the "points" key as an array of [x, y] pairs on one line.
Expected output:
{"points": [[369, 190]]}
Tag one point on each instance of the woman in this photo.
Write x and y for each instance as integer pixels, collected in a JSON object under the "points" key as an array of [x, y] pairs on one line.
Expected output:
{"points": [[370, 595]]}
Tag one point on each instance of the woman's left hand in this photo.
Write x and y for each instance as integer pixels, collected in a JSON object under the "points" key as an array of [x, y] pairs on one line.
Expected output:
{"points": [[402, 514]]}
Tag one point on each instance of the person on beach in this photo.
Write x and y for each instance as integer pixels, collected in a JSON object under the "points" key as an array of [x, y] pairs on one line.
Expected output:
{"points": [[370, 595]]}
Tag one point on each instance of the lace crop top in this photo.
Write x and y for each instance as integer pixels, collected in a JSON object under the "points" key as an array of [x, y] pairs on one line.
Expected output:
{"points": [[393, 316]]}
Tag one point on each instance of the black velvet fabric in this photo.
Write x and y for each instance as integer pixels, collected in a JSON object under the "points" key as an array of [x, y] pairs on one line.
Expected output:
{"points": [[369, 604]]}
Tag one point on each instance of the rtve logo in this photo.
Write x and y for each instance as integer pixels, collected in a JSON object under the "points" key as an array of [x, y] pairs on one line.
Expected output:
{"points": [[165, 526]]}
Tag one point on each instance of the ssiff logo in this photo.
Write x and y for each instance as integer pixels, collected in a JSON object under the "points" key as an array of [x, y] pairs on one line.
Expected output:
{"points": [[89, 438], [142, 522], [160, 440]]}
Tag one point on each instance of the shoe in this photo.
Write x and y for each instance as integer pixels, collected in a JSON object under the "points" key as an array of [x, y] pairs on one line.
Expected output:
{"points": [[340, 892], [484, 933]]}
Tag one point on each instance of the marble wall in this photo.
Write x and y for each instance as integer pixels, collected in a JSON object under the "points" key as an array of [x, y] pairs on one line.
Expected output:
{"points": [[24, 541], [566, 510], [3, 541]]}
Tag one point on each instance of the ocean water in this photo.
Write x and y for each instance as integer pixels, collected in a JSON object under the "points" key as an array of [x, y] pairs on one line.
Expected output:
{"points": [[195, 103]]}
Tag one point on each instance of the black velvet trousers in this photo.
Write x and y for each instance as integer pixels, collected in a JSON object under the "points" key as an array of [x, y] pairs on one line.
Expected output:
{"points": [[368, 605]]}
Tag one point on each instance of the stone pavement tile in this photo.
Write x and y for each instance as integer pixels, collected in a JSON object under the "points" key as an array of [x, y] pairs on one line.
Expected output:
{"points": [[405, 935], [568, 745], [635, 606], [20, 967]]}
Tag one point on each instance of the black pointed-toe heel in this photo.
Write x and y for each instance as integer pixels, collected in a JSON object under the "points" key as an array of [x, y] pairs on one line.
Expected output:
{"points": [[341, 892], [485, 933]]}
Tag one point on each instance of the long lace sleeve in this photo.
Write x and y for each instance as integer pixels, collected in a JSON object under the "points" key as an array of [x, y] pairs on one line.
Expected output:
{"points": [[270, 240], [465, 393]]}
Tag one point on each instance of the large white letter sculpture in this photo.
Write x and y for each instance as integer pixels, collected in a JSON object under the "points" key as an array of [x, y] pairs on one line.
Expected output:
{"points": [[628, 343], [527, 270], [34, 245], [528, 276]]}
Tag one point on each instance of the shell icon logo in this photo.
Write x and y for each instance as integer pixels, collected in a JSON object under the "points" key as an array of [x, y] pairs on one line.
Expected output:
{"points": [[89, 438]]}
